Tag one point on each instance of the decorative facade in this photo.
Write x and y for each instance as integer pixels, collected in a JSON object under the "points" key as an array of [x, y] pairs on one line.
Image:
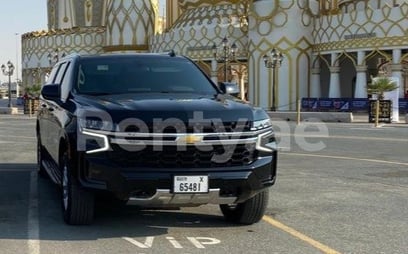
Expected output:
{"points": [[331, 48]]}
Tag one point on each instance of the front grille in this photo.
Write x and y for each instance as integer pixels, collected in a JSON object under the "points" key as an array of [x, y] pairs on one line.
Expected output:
{"points": [[211, 127], [185, 157]]}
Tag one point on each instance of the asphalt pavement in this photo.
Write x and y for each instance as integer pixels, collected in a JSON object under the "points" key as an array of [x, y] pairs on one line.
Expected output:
{"points": [[341, 188]]}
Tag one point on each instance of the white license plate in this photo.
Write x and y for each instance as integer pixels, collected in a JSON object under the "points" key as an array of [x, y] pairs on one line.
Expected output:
{"points": [[190, 184]]}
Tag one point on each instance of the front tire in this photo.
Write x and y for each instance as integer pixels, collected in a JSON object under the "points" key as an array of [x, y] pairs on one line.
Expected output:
{"points": [[248, 212], [77, 203]]}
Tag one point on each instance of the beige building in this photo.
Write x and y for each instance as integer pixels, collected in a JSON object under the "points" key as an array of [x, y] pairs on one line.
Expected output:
{"points": [[330, 48]]}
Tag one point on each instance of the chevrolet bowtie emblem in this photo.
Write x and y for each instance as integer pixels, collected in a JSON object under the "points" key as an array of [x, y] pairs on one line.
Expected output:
{"points": [[191, 139]]}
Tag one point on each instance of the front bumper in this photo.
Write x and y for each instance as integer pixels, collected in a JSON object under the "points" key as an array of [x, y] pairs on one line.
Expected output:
{"points": [[153, 186]]}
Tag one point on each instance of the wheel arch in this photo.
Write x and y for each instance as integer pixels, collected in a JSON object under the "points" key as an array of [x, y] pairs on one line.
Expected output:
{"points": [[65, 145]]}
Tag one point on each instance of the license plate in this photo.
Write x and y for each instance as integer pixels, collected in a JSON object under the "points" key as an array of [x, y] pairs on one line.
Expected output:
{"points": [[190, 184]]}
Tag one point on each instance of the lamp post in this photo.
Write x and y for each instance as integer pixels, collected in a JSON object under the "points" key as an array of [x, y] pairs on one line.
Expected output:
{"points": [[8, 71], [225, 54], [17, 80], [54, 57], [273, 61]]}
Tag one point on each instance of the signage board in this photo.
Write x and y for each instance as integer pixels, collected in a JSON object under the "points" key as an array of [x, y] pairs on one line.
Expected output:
{"points": [[385, 113]]}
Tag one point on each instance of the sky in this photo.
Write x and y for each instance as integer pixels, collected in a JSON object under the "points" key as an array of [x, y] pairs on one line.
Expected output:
{"points": [[18, 17]]}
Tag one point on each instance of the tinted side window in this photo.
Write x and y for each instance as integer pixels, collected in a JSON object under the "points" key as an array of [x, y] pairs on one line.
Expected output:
{"points": [[66, 81], [53, 74], [61, 73]]}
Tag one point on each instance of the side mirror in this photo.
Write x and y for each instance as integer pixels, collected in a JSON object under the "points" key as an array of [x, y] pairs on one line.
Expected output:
{"points": [[51, 92], [229, 88]]}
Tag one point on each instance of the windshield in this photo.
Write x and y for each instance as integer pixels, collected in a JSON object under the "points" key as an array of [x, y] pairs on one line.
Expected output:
{"points": [[118, 75]]}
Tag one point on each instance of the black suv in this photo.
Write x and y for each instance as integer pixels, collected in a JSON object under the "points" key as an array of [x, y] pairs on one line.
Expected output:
{"points": [[152, 130]]}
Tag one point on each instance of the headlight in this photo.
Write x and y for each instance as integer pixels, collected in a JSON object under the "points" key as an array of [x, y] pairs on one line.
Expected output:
{"points": [[261, 124], [267, 142], [90, 138], [94, 123], [93, 142]]}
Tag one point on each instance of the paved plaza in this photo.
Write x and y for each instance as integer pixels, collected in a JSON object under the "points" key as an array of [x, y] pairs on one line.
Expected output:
{"points": [[341, 188]]}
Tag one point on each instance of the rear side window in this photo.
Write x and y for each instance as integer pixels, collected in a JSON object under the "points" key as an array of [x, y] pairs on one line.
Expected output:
{"points": [[141, 75], [61, 73]]}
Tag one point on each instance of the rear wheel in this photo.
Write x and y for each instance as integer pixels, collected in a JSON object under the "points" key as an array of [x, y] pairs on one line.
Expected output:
{"points": [[248, 212], [77, 203], [40, 159]]}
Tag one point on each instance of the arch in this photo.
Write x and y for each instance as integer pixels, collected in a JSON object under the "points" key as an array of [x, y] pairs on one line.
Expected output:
{"points": [[230, 68], [320, 57], [344, 55], [379, 66], [205, 66], [404, 58], [388, 57], [240, 70]]}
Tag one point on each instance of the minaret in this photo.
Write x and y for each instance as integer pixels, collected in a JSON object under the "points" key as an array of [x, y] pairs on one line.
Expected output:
{"points": [[65, 14], [130, 24], [172, 12], [60, 14], [288, 28]]}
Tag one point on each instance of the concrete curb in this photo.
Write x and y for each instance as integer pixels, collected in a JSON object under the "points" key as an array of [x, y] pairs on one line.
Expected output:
{"points": [[339, 117]]}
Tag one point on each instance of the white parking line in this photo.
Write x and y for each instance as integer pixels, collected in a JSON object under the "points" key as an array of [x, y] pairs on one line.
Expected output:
{"points": [[33, 224], [20, 137], [346, 158]]}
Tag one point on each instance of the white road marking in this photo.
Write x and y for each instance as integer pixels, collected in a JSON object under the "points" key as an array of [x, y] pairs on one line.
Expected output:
{"points": [[21, 137], [343, 137], [346, 158], [146, 245], [199, 242], [15, 142], [33, 223], [175, 243]]}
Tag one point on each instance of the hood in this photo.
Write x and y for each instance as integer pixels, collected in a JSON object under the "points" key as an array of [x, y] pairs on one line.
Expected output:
{"points": [[184, 107]]}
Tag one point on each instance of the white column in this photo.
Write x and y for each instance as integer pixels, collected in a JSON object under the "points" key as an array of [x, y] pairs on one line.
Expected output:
{"points": [[242, 85], [361, 78], [315, 89], [397, 70], [214, 73], [361, 82], [334, 89]]}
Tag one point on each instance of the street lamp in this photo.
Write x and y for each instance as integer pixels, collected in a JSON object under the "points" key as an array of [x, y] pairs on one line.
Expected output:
{"points": [[17, 80], [8, 71], [273, 61], [227, 53], [54, 57]]}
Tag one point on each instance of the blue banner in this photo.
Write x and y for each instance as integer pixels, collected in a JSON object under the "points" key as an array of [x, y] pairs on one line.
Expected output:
{"points": [[403, 105], [343, 104]]}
